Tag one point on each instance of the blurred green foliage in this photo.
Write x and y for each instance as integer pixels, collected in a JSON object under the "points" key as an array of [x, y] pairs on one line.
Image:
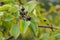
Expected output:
{"points": [[41, 13]]}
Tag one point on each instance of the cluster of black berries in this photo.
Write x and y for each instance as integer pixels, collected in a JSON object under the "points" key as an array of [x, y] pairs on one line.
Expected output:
{"points": [[24, 15], [1, 3]]}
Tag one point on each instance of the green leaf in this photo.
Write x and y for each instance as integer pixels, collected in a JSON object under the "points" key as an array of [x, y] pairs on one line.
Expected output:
{"points": [[34, 26], [26, 25], [13, 9], [5, 7], [9, 1], [21, 26], [8, 18], [15, 31], [57, 36], [30, 6], [45, 36]]}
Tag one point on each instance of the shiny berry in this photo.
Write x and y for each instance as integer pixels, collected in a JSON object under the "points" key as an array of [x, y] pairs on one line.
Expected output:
{"points": [[22, 9], [45, 20], [28, 18], [22, 13]]}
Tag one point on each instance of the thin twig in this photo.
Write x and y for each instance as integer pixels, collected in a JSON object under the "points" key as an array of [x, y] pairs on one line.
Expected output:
{"points": [[47, 27], [44, 26], [10, 37]]}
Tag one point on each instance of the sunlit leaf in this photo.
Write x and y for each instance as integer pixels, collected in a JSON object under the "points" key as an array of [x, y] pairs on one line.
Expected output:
{"points": [[5, 7], [1, 13]]}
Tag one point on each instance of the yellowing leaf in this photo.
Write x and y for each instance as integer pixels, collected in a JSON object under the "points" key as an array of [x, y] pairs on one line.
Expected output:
{"points": [[1, 35], [21, 26], [24, 25]]}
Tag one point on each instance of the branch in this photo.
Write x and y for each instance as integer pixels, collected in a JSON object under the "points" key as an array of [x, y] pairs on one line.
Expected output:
{"points": [[47, 27], [11, 37]]}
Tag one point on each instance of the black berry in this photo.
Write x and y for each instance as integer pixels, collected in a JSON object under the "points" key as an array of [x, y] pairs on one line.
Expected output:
{"points": [[1, 3], [45, 20], [28, 18], [22, 9], [22, 13]]}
